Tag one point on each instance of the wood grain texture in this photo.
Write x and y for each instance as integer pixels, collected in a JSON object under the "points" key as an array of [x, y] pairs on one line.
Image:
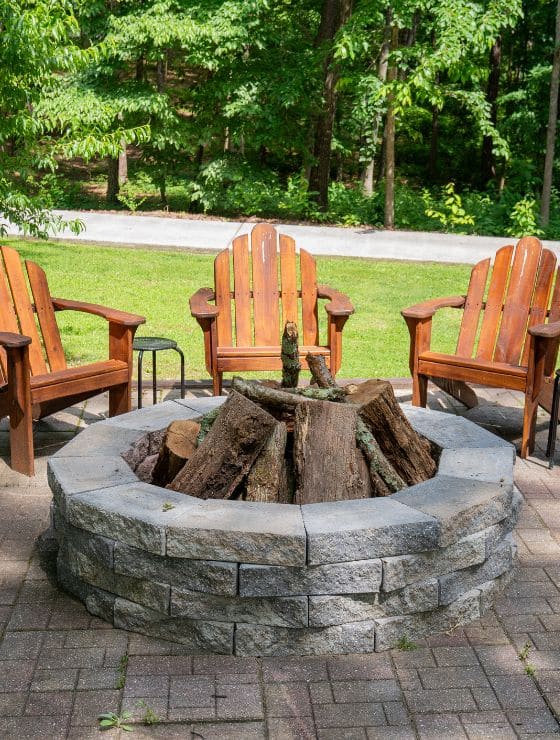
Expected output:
{"points": [[223, 297], [473, 307], [494, 303], [46, 317], [541, 296], [266, 296], [288, 279], [309, 310], [242, 291]]}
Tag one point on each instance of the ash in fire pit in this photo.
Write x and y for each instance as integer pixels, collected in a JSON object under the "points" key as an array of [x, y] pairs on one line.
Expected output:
{"points": [[291, 445]]}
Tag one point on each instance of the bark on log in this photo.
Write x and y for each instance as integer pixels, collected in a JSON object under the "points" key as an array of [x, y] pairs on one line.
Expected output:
{"points": [[289, 355], [231, 446], [284, 400], [408, 452], [179, 444], [319, 371], [384, 478], [267, 481], [206, 424], [325, 459]]}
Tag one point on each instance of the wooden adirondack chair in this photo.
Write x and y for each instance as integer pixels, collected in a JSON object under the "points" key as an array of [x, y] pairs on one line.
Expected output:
{"points": [[32, 385], [514, 347], [262, 307]]}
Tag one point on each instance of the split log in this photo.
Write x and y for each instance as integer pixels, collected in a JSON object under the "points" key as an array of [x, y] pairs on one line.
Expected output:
{"points": [[384, 478], [325, 459], [231, 446], [407, 451], [289, 355], [319, 371], [179, 444], [268, 478]]}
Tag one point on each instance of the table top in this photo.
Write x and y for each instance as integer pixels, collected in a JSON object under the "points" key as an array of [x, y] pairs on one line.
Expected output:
{"points": [[153, 344]]}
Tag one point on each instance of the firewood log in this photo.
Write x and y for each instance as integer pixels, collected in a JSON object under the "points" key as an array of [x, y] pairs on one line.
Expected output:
{"points": [[178, 445]]}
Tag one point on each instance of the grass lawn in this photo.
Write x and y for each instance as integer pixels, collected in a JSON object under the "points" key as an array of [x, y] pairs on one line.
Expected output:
{"points": [[158, 284]]}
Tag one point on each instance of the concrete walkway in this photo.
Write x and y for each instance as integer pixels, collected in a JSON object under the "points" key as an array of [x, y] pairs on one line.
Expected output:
{"points": [[60, 667], [126, 229]]}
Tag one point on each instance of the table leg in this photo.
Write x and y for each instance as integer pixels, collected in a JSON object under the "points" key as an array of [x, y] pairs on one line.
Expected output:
{"points": [[553, 429], [182, 356], [140, 358], [154, 378]]}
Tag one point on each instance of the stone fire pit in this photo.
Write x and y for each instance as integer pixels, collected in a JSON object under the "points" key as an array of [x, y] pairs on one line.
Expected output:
{"points": [[252, 579]]}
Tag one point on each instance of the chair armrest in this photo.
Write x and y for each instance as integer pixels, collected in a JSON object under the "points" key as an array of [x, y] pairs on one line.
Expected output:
{"points": [[546, 331], [200, 308], [9, 340], [339, 304], [426, 309], [110, 314]]}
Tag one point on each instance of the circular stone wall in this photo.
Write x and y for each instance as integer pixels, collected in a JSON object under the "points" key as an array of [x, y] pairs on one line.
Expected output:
{"points": [[275, 579]]}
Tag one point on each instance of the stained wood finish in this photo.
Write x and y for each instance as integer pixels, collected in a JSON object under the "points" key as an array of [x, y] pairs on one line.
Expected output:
{"points": [[32, 390], [516, 348], [473, 307], [242, 292], [266, 296]]}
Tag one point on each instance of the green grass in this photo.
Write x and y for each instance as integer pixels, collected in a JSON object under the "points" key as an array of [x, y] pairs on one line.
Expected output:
{"points": [[158, 285]]}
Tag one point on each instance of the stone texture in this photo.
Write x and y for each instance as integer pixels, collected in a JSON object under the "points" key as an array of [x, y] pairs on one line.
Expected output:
{"points": [[358, 577], [133, 514], [365, 529], [99, 440], [461, 506], [241, 532], [357, 637], [402, 570], [453, 585], [201, 405], [495, 534], [391, 629], [153, 418], [493, 465], [208, 576], [325, 611], [451, 432], [94, 546], [199, 636], [278, 611]]}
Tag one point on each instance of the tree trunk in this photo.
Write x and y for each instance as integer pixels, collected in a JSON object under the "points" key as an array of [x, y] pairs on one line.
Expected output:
{"points": [[325, 455], [334, 14], [229, 449], [369, 170], [488, 168], [551, 128], [389, 220], [434, 145], [112, 180]]}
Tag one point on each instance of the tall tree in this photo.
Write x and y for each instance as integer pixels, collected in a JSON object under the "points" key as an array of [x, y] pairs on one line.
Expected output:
{"points": [[551, 128]]}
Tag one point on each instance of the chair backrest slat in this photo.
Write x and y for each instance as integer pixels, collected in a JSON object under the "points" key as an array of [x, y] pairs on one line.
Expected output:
{"points": [[494, 303], [518, 301], [242, 291], [23, 308], [45, 314], [222, 289], [310, 318], [554, 311], [265, 286], [541, 297], [473, 307], [288, 279], [8, 319]]}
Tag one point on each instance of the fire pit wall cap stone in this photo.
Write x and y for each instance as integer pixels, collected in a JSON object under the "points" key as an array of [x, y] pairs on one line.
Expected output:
{"points": [[268, 579]]}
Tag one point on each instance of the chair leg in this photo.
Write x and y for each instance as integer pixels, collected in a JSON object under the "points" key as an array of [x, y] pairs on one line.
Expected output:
{"points": [[217, 380], [529, 424], [419, 390], [20, 412], [119, 399]]}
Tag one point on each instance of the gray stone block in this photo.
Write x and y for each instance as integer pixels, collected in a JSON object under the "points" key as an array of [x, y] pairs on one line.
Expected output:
{"points": [[199, 636], [241, 532], [96, 547], [148, 593], [494, 465], [101, 604], [454, 584], [390, 630], [152, 418], [366, 528], [359, 576], [67, 578], [99, 440], [68, 476], [419, 597], [449, 431], [254, 640], [496, 533], [208, 576], [290, 611], [401, 570], [461, 506], [490, 590], [133, 513], [202, 405]]}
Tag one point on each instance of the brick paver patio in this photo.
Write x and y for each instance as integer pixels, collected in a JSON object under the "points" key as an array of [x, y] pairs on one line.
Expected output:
{"points": [[60, 667]]}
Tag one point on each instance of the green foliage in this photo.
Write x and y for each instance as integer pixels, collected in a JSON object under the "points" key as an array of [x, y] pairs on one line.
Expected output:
{"points": [[452, 213], [149, 717], [108, 720], [121, 670], [405, 643], [523, 218], [129, 196]]}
